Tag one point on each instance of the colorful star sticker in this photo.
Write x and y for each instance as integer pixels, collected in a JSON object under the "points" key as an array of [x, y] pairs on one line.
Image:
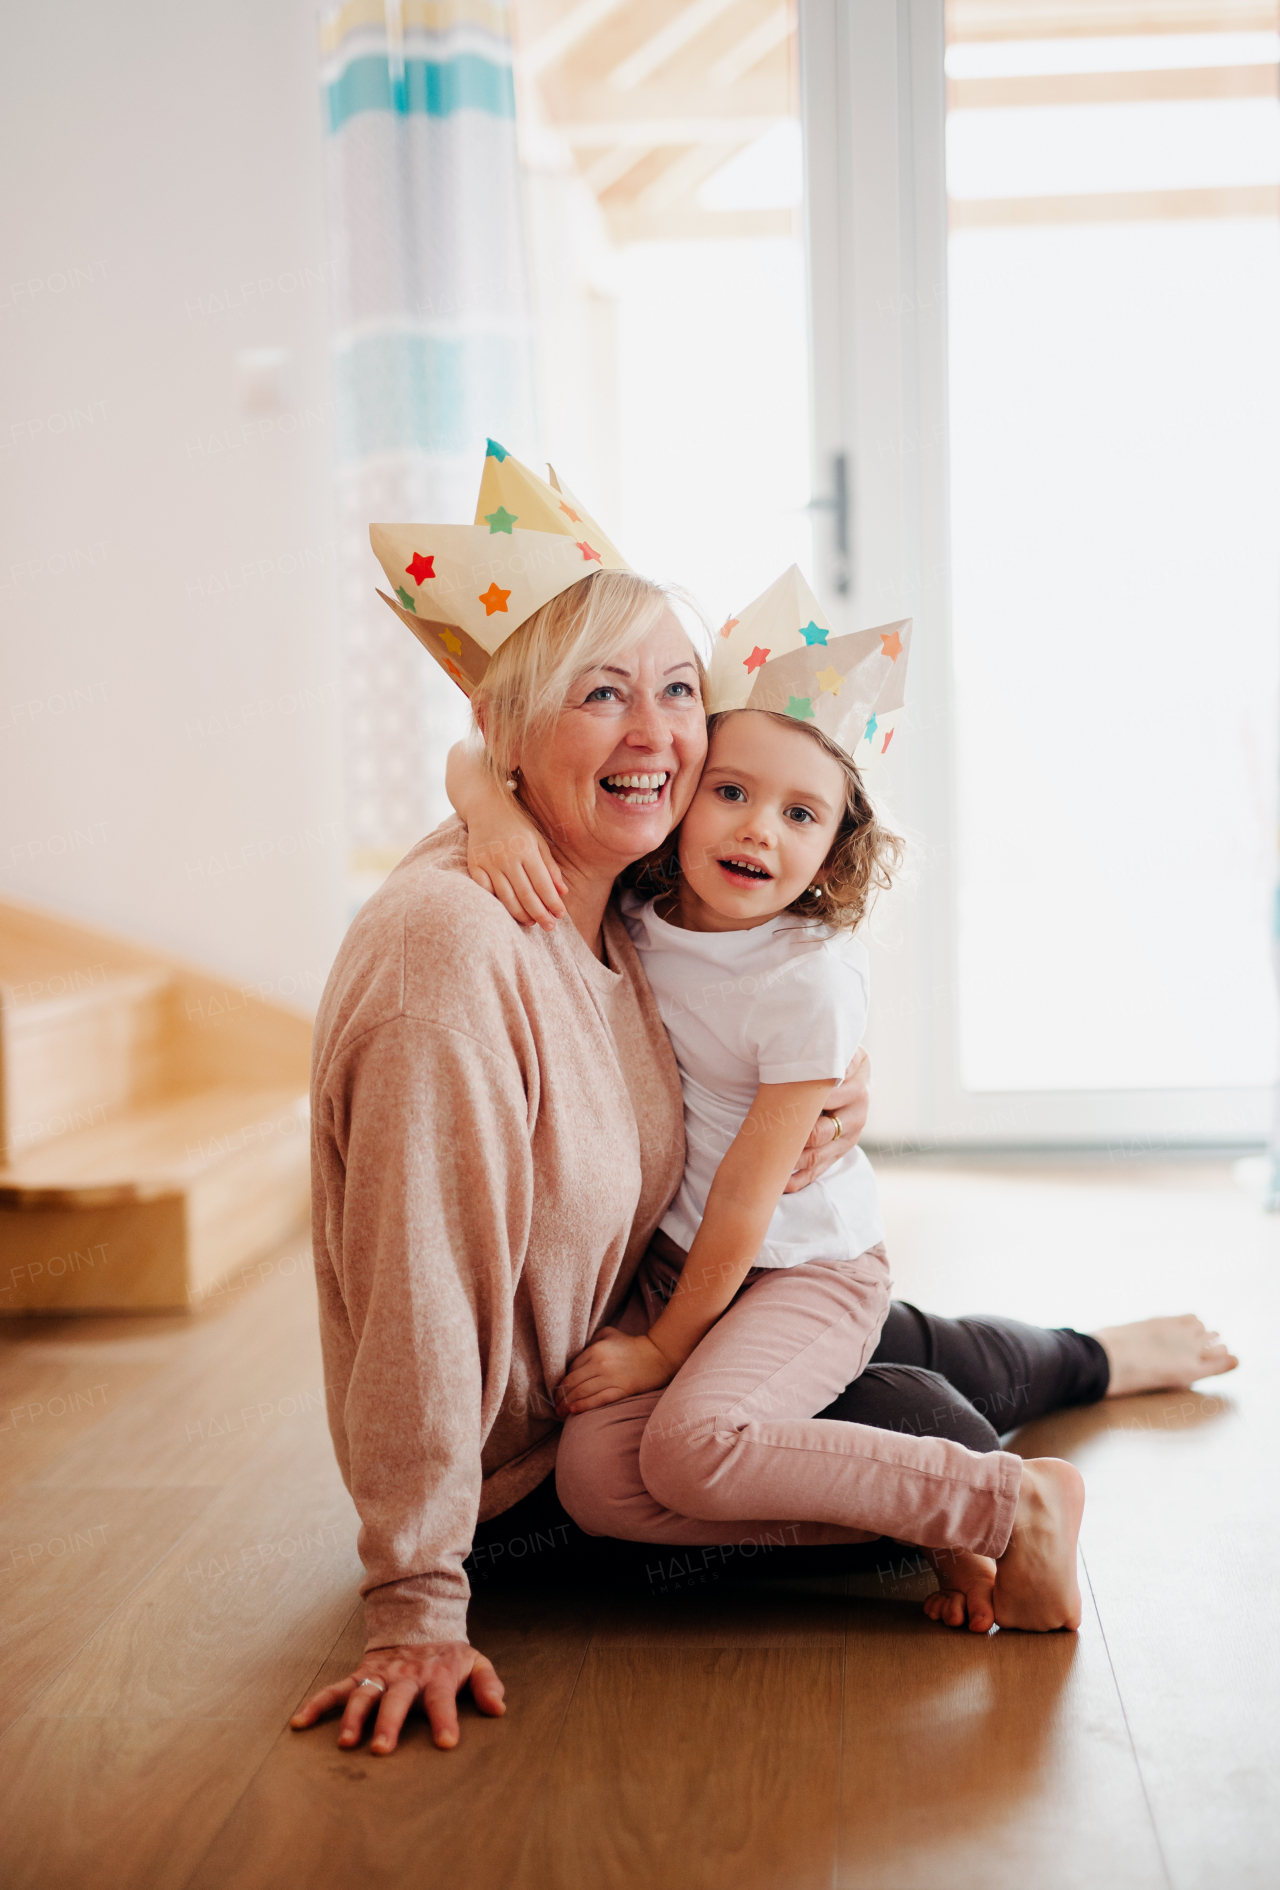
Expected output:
{"points": [[421, 567], [493, 451], [730, 623], [500, 521], [756, 660], [587, 553], [494, 599], [811, 634], [801, 707], [829, 679], [405, 599], [451, 643], [869, 731], [570, 513], [891, 645], [453, 669], [888, 738]]}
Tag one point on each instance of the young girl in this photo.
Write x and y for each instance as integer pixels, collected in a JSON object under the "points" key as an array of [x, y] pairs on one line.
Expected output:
{"points": [[748, 945]]}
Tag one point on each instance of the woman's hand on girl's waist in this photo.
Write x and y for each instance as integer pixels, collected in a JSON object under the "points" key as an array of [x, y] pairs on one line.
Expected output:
{"points": [[843, 1118]]}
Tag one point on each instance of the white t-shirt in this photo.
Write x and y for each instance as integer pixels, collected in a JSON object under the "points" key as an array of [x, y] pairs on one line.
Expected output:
{"points": [[784, 1002]]}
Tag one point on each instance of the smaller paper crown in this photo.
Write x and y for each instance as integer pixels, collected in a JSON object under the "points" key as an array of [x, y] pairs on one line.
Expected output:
{"points": [[780, 654], [464, 589]]}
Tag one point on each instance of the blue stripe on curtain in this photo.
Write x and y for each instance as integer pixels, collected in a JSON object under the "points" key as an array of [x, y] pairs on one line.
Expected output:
{"points": [[423, 393], [434, 87]]}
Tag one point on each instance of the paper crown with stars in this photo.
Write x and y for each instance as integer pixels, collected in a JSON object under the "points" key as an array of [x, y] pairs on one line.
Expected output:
{"points": [[463, 589], [780, 654]]}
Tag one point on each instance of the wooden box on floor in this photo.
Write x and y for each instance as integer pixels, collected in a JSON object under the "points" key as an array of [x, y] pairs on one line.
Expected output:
{"points": [[153, 1122]]}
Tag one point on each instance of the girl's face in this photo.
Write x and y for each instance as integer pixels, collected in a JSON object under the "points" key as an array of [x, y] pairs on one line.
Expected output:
{"points": [[764, 818]]}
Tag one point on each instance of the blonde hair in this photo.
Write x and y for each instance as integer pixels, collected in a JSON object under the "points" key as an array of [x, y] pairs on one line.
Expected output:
{"points": [[861, 861], [530, 676]]}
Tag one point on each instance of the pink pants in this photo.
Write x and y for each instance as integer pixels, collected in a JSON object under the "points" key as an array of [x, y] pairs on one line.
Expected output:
{"points": [[733, 1440]]}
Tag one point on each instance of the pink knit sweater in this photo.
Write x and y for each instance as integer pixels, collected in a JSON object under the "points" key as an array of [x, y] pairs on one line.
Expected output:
{"points": [[496, 1132]]}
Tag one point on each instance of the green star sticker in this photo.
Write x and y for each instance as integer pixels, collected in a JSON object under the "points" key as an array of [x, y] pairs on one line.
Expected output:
{"points": [[493, 451], [406, 600], [501, 520], [801, 707], [812, 634]]}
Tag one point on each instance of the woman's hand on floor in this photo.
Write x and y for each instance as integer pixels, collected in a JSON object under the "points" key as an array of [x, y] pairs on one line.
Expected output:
{"points": [[434, 1673], [612, 1367], [847, 1105]]}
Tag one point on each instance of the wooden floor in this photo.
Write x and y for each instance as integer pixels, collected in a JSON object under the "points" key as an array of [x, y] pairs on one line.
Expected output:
{"points": [[178, 1570]]}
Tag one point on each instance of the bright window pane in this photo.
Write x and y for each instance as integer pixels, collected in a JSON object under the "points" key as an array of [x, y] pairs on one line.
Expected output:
{"points": [[1115, 413]]}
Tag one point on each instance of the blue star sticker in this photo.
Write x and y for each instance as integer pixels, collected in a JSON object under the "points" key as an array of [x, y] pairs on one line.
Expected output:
{"points": [[493, 451], [405, 599], [871, 727], [801, 707], [811, 634]]}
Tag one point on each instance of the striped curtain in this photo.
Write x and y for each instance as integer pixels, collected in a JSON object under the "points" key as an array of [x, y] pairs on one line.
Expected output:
{"points": [[432, 352]]}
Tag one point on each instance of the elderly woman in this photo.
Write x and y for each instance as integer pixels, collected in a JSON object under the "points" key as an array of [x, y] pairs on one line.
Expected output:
{"points": [[497, 1134]]}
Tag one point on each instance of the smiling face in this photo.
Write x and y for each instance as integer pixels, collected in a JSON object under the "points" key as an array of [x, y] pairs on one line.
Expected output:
{"points": [[614, 773], [766, 813]]}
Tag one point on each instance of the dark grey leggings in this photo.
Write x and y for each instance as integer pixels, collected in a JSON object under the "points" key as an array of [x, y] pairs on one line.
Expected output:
{"points": [[970, 1380]]}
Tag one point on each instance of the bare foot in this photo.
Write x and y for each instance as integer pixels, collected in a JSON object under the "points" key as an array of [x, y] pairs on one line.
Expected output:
{"points": [[1036, 1586], [965, 1585], [1162, 1355]]}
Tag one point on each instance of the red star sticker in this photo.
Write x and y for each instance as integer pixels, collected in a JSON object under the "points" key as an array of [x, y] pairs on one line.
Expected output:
{"points": [[756, 659], [891, 646], [730, 623], [570, 513], [888, 738], [587, 553], [422, 567], [494, 599]]}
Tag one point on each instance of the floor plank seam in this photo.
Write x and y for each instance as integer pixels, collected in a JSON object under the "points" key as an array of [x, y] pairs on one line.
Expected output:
{"points": [[248, 1785], [838, 1824], [552, 1749], [110, 1616], [1128, 1729]]}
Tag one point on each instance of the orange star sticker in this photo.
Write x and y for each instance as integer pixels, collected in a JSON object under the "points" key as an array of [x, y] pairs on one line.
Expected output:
{"points": [[891, 645], [494, 599], [570, 513], [451, 643], [730, 623], [453, 669], [587, 553], [757, 658]]}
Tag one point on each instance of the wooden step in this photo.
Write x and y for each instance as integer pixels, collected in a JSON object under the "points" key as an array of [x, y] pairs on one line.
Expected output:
{"points": [[154, 1207], [156, 1117], [74, 1056]]}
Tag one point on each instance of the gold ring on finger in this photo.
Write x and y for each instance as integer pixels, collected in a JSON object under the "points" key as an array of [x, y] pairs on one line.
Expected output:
{"points": [[839, 1131]]}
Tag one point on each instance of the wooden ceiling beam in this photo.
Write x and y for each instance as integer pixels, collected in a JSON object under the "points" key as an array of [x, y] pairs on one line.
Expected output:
{"points": [[1113, 88], [648, 133], [653, 53], [762, 40], [1096, 19]]}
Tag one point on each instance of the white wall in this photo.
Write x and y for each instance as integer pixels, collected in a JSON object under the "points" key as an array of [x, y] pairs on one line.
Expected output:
{"points": [[169, 716]]}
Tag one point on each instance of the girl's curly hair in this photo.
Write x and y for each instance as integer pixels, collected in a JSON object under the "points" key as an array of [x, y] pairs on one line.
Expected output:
{"points": [[863, 858]]}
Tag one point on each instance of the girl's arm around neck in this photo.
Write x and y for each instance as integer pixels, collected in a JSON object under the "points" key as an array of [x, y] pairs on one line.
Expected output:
{"points": [[747, 1189], [506, 855]]}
